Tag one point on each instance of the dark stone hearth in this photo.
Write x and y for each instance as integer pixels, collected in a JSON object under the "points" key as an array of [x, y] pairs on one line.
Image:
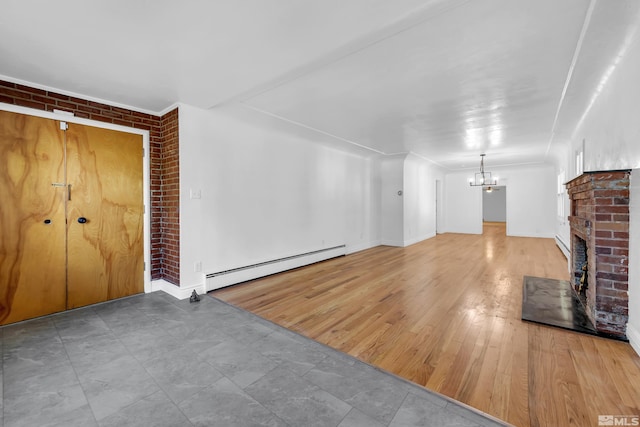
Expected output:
{"points": [[555, 303]]}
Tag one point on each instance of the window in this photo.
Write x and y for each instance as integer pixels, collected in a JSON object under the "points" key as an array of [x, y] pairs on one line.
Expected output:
{"points": [[580, 160], [579, 163]]}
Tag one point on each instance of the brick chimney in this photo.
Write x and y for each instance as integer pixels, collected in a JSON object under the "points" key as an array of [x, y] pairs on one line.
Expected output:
{"points": [[599, 223]]}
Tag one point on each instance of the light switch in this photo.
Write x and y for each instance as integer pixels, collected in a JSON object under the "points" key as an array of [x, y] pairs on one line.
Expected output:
{"points": [[195, 194]]}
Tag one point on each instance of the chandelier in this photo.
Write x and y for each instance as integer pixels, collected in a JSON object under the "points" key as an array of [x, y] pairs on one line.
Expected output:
{"points": [[482, 178]]}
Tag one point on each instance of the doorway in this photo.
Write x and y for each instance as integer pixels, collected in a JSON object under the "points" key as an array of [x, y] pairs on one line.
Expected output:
{"points": [[438, 207], [72, 217], [494, 204]]}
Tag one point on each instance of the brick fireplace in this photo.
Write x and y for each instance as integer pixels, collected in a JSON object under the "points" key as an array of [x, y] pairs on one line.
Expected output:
{"points": [[599, 223]]}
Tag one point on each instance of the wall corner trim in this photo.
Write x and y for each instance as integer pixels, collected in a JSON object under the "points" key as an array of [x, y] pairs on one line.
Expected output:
{"points": [[419, 239], [76, 95], [179, 292], [634, 338], [169, 109], [351, 249]]}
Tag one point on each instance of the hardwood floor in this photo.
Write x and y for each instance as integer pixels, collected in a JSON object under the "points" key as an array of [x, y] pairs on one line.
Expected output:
{"points": [[446, 313]]}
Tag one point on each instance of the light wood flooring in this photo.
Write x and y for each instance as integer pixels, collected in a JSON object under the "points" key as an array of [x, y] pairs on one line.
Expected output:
{"points": [[445, 313]]}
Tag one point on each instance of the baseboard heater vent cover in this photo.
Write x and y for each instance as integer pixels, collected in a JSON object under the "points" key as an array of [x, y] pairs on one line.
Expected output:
{"points": [[242, 274]]}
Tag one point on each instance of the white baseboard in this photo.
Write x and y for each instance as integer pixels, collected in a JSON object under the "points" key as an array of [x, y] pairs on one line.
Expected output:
{"points": [[398, 243], [179, 292], [634, 338], [563, 246], [351, 249], [418, 239], [405, 243]]}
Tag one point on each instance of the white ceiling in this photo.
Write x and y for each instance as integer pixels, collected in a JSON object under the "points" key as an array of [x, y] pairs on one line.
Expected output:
{"points": [[444, 79]]}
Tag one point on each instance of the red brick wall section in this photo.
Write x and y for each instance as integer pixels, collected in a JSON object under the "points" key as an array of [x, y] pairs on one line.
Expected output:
{"points": [[163, 143], [170, 197], [600, 216]]}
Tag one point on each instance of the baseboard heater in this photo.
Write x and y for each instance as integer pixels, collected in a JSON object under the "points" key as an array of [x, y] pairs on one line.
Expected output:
{"points": [[233, 276], [563, 247]]}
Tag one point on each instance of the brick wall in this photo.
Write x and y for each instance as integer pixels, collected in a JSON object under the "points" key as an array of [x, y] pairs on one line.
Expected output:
{"points": [[600, 216], [163, 161], [170, 190]]}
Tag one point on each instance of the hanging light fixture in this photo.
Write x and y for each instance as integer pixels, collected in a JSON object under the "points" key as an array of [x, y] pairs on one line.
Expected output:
{"points": [[482, 179]]}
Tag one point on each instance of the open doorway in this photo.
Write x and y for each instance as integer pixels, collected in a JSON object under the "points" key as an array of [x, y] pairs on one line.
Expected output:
{"points": [[494, 206]]}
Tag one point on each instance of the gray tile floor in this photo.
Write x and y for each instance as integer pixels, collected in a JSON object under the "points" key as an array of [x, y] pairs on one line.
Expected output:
{"points": [[152, 360]]}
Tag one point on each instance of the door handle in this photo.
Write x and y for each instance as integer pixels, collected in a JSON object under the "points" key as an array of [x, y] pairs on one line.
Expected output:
{"points": [[82, 220]]}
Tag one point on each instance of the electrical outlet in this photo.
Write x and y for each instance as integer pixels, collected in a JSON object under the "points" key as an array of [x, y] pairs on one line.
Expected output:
{"points": [[195, 193], [197, 266]]}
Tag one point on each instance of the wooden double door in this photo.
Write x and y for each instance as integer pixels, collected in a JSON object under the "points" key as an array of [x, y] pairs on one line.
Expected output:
{"points": [[71, 216]]}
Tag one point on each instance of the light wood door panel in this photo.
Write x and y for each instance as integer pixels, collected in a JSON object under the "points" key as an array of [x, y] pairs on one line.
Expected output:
{"points": [[105, 254], [49, 261], [32, 253]]}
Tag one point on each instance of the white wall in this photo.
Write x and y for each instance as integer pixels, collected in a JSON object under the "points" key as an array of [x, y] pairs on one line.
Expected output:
{"points": [[531, 195], [266, 194], [564, 166], [362, 199], [531, 200], [419, 197], [462, 204], [610, 132], [633, 327], [440, 228]]}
